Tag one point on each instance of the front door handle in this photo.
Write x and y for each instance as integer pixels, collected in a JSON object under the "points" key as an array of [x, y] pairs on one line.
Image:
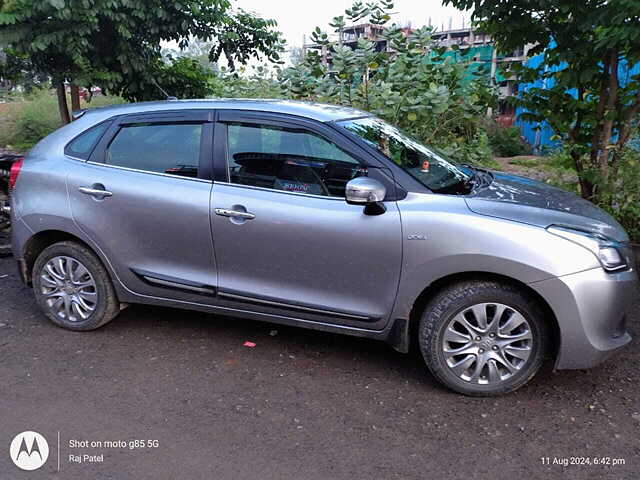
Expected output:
{"points": [[225, 212], [95, 192]]}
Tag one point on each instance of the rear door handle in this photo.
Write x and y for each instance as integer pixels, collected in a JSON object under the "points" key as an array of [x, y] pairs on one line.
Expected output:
{"points": [[95, 192], [224, 212]]}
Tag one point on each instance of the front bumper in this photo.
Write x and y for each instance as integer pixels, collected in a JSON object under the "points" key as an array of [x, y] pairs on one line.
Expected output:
{"points": [[591, 308]]}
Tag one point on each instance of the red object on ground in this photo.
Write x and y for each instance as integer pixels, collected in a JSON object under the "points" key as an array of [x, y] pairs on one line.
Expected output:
{"points": [[249, 344]]}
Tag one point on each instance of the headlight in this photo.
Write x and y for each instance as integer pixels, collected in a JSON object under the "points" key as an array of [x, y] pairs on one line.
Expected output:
{"points": [[607, 251]]}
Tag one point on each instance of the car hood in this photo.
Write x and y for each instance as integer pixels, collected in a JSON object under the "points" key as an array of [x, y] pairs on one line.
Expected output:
{"points": [[528, 201]]}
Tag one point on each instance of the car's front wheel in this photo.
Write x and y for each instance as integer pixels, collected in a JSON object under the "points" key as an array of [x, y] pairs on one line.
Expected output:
{"points": [[73, 288], [483, 338]]}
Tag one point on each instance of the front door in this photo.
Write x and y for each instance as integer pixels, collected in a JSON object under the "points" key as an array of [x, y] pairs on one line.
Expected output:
{"points": [[143, 199], [286, 241]]}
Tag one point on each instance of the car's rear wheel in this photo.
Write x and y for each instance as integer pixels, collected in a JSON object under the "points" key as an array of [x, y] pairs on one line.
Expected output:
{"points": [[73, 288], [483, 338]]}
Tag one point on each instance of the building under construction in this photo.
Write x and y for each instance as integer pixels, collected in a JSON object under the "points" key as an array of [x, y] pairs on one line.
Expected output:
{"points": [[466, 45]]}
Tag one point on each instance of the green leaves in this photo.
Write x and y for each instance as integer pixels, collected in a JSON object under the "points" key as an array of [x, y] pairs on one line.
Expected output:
{"points": [[85, 39], [8, 19], [427, 98], [589, 97], [338, 23], [319, 37]]}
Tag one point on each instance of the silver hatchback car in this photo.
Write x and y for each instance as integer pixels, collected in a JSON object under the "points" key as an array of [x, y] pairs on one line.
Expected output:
{"points": [[321, 217]]}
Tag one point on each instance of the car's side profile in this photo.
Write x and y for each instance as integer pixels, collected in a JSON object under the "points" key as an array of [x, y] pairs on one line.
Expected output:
{"points": [[321, 217]]}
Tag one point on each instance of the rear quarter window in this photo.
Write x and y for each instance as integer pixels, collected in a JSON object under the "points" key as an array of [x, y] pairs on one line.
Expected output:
{"points": [[83, 144]]}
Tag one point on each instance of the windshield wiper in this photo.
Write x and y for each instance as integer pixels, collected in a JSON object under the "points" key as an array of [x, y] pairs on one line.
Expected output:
{"points": [[476, 180]]}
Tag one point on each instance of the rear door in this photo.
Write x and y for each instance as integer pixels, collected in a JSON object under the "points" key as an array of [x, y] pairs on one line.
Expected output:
{"points": [[143, 199], [286, 241]]}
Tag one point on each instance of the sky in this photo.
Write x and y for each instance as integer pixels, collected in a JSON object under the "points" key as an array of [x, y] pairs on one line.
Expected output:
{"points": [[298, 18]]}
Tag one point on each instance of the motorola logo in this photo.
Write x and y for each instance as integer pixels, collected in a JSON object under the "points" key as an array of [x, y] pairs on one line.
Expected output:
{"points": [[29, 450]]}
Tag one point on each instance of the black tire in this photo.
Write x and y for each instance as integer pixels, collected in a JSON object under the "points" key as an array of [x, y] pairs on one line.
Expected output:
{"points": [[457, 299], [106, 306]]}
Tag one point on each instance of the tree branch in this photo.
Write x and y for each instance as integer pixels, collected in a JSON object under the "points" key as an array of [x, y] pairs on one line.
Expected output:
{"points": [[627, 122], [607, 125], [602, 103]]}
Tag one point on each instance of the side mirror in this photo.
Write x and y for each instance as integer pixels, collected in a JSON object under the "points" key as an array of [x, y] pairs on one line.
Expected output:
{"points": [[367, 192], [364, 191]]}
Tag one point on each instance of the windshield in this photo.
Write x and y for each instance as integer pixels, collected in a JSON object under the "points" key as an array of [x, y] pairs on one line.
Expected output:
{"points": [[425, 165]]}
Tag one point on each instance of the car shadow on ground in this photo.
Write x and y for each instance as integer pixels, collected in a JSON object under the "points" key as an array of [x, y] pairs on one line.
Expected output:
{"points": [[233, 332], [306, 346]]}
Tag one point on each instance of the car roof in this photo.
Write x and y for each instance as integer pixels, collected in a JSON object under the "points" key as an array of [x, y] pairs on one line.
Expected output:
{"points": [[315, 111]]}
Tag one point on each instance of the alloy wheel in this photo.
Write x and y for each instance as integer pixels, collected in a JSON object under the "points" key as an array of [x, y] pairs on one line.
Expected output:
{"points": [[69, 289], [487, 343]]}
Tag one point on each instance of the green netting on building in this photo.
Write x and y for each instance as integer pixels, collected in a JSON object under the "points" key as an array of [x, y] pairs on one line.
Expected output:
{"points": [[477, 59]]}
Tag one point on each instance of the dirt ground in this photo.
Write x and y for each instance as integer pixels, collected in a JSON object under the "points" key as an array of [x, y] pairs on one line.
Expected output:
{"points": [[300, 404], [511, 165]]}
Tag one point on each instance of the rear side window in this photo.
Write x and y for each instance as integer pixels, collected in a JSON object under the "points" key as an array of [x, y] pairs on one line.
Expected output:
{"points": [[159, 148], [82, 145]]}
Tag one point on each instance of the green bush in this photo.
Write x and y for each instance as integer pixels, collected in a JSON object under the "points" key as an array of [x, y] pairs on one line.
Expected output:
{"points": [[620, 194], [180, 77], [506, 142], [562, 170], [102, 101], [414, 86], [526, 162], [35, 116], [30, 119], [475, 151], [257, 82]]}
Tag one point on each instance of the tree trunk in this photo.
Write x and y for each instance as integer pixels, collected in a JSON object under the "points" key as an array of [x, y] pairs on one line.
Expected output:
{"points": [[62, 103], [607, 121], [75, 97], [587, 190]]}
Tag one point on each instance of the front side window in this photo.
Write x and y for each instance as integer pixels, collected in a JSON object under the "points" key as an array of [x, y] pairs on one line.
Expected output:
{"points": [[424, 164], [160, 148], [288, 159]]}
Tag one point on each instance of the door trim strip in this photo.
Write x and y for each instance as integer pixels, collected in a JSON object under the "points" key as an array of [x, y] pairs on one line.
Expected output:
{"points": [[176, 283], [289, 306]]}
